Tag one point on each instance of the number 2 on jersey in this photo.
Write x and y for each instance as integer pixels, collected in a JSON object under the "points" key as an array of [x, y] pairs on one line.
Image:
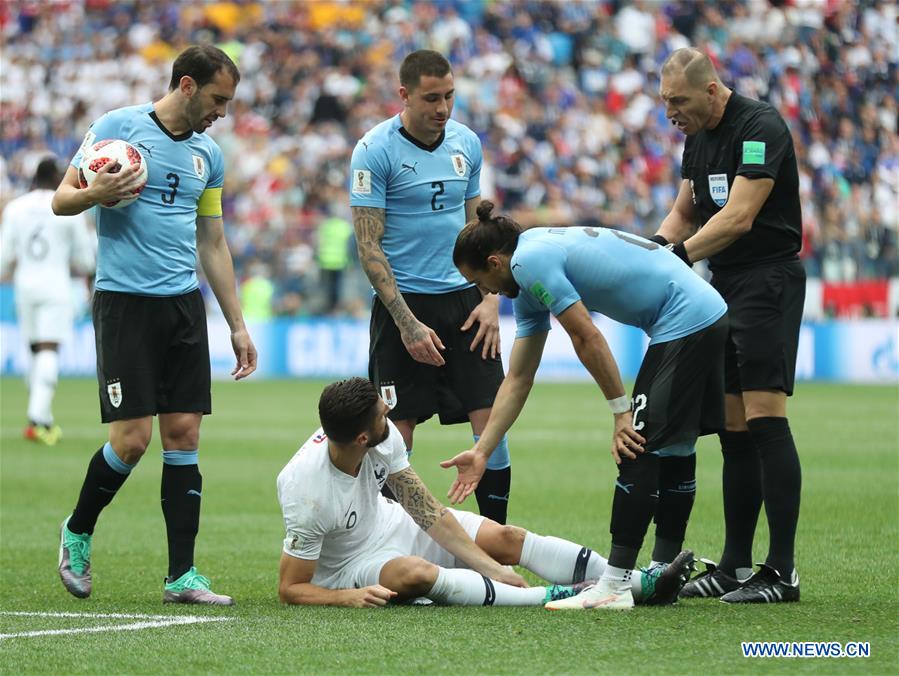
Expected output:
{"points": [[438, 191], [639, 405]]}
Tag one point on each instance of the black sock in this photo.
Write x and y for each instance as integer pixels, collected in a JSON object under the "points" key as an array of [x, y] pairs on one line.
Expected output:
{"points": [[492, 494], [677, 492], [781, 486], [181, 488], [741, 478], [633, 506], [101, 483]]}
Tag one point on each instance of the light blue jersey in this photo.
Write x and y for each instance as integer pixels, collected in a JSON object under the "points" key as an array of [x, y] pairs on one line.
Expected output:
{"points": [[423, 192], [150, 246], [622, 276]]}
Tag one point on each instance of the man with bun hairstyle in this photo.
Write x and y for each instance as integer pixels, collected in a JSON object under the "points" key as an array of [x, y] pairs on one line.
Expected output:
{"points": [[569, 272]]}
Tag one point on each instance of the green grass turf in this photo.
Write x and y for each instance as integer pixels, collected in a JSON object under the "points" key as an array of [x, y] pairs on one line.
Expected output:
{"points": [[563, 476]]}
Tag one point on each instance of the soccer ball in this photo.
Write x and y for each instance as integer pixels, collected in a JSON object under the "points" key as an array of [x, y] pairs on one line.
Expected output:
{"points": [[122, 154]]}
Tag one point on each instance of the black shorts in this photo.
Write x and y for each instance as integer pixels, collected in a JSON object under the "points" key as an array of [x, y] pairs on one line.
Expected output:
{"points": [[465, 383], [679, 393], [152, 355], [765, 309]]}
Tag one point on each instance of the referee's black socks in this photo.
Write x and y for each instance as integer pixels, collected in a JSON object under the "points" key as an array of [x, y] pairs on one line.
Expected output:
{"points": [[741, 478], [781, 487]]}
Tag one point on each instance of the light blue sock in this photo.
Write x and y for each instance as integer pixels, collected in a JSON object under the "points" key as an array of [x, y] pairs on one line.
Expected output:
{"points": [[115, 462], [499, 459], [181, 457]]}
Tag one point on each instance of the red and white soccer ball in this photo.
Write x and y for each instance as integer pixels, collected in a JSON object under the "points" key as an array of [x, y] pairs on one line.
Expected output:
{"points": [[121, 154]]}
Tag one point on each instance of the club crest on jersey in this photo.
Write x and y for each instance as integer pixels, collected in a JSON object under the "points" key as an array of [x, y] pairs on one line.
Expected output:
{"points": [[718, 188], [388, 394], [114, 391], [459, 164], [199, 165]]}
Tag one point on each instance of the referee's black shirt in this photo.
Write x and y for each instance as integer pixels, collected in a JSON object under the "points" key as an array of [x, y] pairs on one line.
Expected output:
{"points": [[751, 140]]}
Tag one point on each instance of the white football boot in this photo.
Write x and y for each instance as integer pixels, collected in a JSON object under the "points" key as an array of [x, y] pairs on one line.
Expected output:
{"points": [[601, 596]]}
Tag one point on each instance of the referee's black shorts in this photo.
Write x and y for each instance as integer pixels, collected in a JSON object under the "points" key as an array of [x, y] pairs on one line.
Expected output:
{"points": [[152, 355], [765, 308], [417, 391], [679, 392]]}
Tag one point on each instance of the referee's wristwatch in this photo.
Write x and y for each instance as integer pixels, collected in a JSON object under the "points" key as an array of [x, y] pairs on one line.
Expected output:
{"points": [[678, 250]]}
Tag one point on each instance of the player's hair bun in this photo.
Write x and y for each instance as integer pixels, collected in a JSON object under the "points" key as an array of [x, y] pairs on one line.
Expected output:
{"points": [[484, 209]]}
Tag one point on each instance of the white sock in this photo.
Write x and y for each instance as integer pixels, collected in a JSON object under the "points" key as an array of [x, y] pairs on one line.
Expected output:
{"points": [[29, 374], [617, 579], [463, 587], [44, 375], [555, 559]]}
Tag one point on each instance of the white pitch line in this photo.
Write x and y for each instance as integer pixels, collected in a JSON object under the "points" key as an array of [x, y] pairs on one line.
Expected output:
{"points": [[151, 622]]}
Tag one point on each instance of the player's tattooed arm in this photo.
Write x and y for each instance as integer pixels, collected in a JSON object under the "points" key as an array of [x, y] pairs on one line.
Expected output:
{"points": [[368, 222], [421, 341], [440, 523], [415, 498]]}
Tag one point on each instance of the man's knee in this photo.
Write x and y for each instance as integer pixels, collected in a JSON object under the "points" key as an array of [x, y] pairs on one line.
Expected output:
{"points": [[734, 413], [765, 404], [411, 576], [506, 544], [130, 439], [180, 431]]}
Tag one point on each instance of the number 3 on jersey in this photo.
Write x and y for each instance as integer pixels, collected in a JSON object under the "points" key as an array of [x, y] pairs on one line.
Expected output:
{"points": [[168, 197]]}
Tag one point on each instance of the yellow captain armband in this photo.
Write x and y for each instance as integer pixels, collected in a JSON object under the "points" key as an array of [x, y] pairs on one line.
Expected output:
{"points": [[210, 203]]}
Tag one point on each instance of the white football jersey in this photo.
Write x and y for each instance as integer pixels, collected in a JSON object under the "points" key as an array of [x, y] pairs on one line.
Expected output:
{"points": [[331, 516], [46, 248]]}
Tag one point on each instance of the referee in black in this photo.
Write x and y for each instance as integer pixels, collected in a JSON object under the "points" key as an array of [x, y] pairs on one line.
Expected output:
{"points": [[740, 188]]}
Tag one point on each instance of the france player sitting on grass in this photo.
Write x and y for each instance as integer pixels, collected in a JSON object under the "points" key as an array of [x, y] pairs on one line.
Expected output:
{"points": [[348, 545]]}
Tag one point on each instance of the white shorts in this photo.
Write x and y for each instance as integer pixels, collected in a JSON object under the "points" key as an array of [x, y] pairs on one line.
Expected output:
{"points": [[407, 539], [44, 321]]}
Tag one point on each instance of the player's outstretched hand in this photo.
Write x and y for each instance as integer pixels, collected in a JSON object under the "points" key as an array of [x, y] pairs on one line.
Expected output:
{"points": [[487, 315], [471, 466], [245, 352], [109, 187], [423, 343], [626, 442], [373, 596]]}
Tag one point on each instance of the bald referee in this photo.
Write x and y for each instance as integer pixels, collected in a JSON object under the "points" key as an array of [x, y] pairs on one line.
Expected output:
{"points": [[738, 206]]}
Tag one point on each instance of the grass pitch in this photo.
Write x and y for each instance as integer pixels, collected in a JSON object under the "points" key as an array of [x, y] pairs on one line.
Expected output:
{"points": [[562, 485]]}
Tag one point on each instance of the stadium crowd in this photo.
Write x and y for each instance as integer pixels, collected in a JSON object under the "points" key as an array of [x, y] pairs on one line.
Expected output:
{"points": [[564, 94]]}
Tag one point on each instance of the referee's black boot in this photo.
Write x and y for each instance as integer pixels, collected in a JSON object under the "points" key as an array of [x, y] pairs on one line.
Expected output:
{"points": [[765, 587], [711, 583]]}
